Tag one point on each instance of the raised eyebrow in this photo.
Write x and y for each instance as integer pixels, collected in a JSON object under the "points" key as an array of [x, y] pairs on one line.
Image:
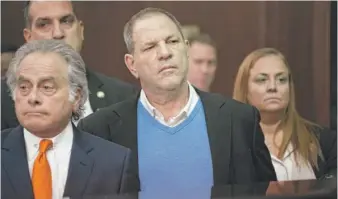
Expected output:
{"points": [[68, 16], [22, 79], [61, 18], [46, 79], [42, 19], [172, 37], [169, 37]]}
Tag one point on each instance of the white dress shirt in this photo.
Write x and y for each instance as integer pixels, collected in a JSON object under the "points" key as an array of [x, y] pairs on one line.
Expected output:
{"points": [[58, 157], [182, 115], [287, 169]]}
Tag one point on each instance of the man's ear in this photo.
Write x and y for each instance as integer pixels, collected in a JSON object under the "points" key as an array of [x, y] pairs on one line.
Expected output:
{"points": [[27, 34], [77, 98], [187, 46], [81, 24], [187, 43], [129, 61]]}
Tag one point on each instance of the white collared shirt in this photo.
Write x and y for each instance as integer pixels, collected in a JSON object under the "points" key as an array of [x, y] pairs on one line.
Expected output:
{"points": [[58, 157], [182, 115], [87, 109], [287, 169]]}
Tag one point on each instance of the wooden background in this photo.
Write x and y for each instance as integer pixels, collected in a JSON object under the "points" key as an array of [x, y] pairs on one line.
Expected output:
{"points": [[301, 30]]}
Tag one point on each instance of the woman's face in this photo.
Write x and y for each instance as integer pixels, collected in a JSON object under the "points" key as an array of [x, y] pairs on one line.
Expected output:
{"points": [[268, 88]]}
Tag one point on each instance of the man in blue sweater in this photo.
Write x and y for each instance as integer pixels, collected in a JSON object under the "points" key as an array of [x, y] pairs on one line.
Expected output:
{"points": [[180, 136]]}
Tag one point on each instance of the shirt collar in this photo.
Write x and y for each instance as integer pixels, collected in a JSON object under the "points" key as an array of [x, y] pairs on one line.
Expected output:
{"points": [[63, 140], [187, 109]]}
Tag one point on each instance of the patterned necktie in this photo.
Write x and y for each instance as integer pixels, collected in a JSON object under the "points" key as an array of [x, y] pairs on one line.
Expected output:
{"points": [[42, 176]]}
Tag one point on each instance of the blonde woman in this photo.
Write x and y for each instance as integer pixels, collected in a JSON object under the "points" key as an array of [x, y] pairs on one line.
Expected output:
{"points": [[299, 148]]}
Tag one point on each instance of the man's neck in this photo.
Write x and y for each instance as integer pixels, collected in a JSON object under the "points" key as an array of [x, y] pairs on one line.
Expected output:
{"points": [[50, 132], [169, 103]]}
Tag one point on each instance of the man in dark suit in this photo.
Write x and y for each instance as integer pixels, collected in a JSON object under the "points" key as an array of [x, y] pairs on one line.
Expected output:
{"points": [[57, 20], [46, 156], [180, 136]]}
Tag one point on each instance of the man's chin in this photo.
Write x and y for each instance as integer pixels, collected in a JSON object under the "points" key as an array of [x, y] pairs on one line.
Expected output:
{"points": [[172, 84], [34, 125]]}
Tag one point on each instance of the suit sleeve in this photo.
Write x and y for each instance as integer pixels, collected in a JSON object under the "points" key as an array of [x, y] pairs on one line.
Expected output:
{"points": [[129, 181], [329, 149], [264, 169]]}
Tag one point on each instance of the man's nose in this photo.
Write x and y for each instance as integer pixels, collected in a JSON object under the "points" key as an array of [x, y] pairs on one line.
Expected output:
{"points": [[34, 98], [58, 32], [164, 52], [204, 68]]}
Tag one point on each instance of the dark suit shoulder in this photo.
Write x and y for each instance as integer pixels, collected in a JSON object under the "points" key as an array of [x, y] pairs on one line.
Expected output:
{"points": [[116, 83], [109, 114], [101, 116], [324, 132], [4, 134], [104, 145], [98, 123], [241, 109], [328, 144], [238, 109], [327, 139]]}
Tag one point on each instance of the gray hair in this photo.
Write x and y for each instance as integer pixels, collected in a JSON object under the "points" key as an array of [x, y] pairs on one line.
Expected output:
{"points": [[76, 68], [129, 27]]}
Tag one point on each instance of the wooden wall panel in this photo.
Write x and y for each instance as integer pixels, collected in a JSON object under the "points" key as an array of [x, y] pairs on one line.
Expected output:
{"points": [[299, 29]]}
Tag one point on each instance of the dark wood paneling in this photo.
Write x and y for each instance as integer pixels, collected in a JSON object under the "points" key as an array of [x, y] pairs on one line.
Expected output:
{"points": [[299, 29]]}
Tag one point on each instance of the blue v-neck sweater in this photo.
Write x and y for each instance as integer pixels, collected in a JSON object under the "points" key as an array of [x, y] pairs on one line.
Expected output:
{"points": [[174, 156]]}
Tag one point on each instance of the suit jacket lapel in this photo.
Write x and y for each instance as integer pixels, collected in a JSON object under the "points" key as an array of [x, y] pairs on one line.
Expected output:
{"points": [[123, 128], [14, 160], [80, 165], [97, 97], [219, 132]]}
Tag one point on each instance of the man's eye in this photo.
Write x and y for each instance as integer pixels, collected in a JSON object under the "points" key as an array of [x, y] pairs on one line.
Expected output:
{"points": [[173, 41], [23, 87], [148, 48], [41, 24], [48, 88]]}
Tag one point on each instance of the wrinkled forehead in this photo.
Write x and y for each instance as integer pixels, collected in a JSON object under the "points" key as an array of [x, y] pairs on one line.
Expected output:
{"points": [[43, 64], [154, 26]]}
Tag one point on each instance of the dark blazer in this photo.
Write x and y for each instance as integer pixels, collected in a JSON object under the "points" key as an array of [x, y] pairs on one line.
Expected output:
{"points": [[96, 166], [238, 152], [114, 91], [327, 167]]}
